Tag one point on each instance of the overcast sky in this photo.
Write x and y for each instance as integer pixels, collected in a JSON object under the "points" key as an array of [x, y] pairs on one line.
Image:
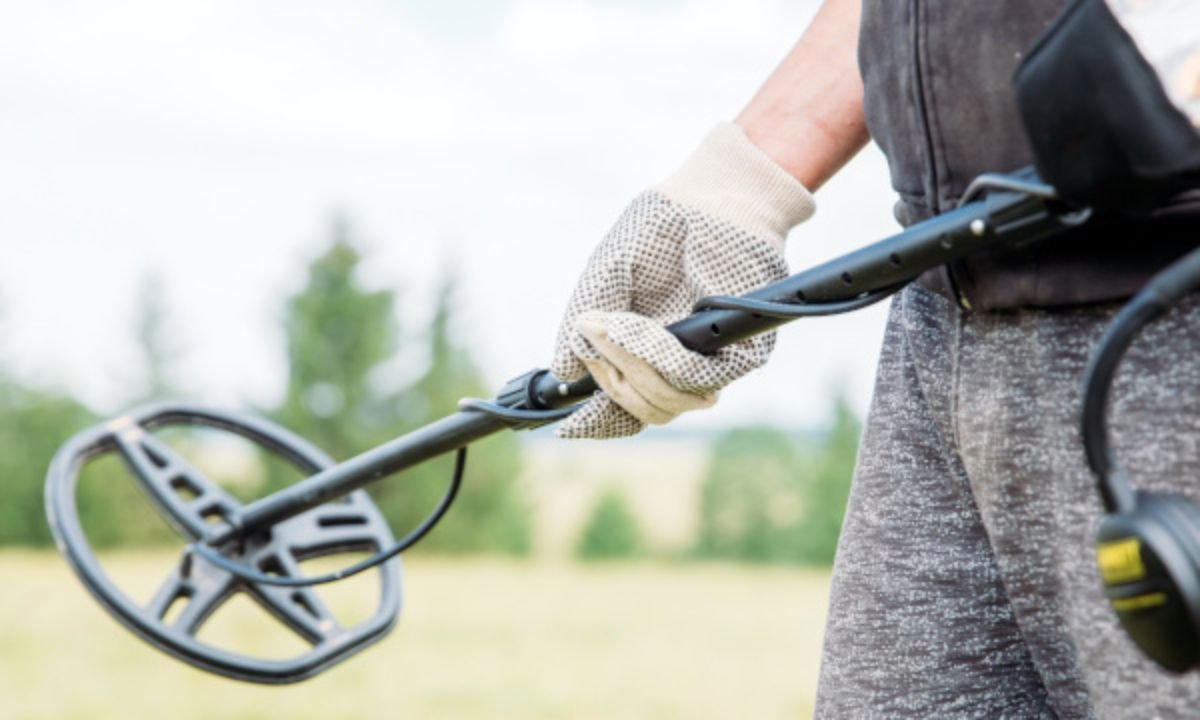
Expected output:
{"points": [[211, 143]]}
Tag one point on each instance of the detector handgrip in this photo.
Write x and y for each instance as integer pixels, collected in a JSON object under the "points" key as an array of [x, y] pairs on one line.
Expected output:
{"points": [[1020, 211]]}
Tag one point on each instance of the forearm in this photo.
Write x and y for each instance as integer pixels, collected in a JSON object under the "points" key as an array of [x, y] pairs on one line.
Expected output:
{"points": [[808, 115]]}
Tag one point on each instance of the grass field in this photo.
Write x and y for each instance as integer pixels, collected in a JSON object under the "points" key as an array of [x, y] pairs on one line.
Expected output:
{"points": [[477, 639]]}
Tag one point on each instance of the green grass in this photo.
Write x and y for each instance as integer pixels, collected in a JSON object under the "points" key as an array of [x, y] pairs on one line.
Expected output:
{"points": [[477, 639]]}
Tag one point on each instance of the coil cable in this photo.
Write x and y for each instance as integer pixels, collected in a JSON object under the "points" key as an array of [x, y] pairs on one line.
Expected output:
{"points": [[515, 416]]}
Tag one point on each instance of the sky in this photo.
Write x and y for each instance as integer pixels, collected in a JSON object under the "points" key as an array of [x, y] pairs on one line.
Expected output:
{"points": [[212, 143]]}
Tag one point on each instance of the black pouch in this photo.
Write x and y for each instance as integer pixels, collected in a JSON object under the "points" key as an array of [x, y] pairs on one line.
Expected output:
{"points": [[1099, 121]]}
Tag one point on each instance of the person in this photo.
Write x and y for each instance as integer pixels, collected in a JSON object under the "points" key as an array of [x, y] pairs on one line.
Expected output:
{"points": [[964, 584]]}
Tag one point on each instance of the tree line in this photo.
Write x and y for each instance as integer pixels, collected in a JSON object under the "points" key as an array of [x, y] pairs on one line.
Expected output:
{"points": [[768, 495]]}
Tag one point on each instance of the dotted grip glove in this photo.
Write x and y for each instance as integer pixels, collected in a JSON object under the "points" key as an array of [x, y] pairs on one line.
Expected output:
{"points": [[714, 228]]}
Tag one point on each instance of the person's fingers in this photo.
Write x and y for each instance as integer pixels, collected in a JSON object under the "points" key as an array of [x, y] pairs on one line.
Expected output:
{"points": [[634, 383], [568, 351], [615, 385], [683, 369], [600, 418]]}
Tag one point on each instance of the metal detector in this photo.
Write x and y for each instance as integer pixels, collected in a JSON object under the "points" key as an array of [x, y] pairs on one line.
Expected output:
{"points": [[255, 548]]}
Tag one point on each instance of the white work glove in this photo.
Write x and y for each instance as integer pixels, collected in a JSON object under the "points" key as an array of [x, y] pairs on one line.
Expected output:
{"points": [[714, 228]]}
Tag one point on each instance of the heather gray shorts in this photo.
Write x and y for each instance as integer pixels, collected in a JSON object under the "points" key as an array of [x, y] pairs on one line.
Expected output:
{"points": [[965, 583]]}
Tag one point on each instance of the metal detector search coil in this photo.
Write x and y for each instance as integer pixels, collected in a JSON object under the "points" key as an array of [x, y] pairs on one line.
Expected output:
{"points": [[190, 502]]}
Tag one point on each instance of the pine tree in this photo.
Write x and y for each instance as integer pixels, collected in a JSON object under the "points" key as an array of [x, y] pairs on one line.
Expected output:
{"points": [[611, 531], [338, 333], [340, 336], [830, 486], [33, 424], [768, 497], [491, 514], [752, 497], [35, 421]]}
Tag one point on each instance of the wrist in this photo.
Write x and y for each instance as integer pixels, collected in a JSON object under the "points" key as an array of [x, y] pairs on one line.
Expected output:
{"points": [[810, 151], [778, 138]]}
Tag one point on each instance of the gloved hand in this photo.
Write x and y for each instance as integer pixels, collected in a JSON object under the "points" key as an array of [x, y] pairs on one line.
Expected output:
{"points": [[716, 227]]}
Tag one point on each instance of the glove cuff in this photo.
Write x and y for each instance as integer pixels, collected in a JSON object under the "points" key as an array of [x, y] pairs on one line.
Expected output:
{"points": [[728, 177]]}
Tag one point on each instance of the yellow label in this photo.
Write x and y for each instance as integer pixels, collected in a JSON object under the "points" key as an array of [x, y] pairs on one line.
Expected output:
{"points": [[1139, 602], [1120, 561]]}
